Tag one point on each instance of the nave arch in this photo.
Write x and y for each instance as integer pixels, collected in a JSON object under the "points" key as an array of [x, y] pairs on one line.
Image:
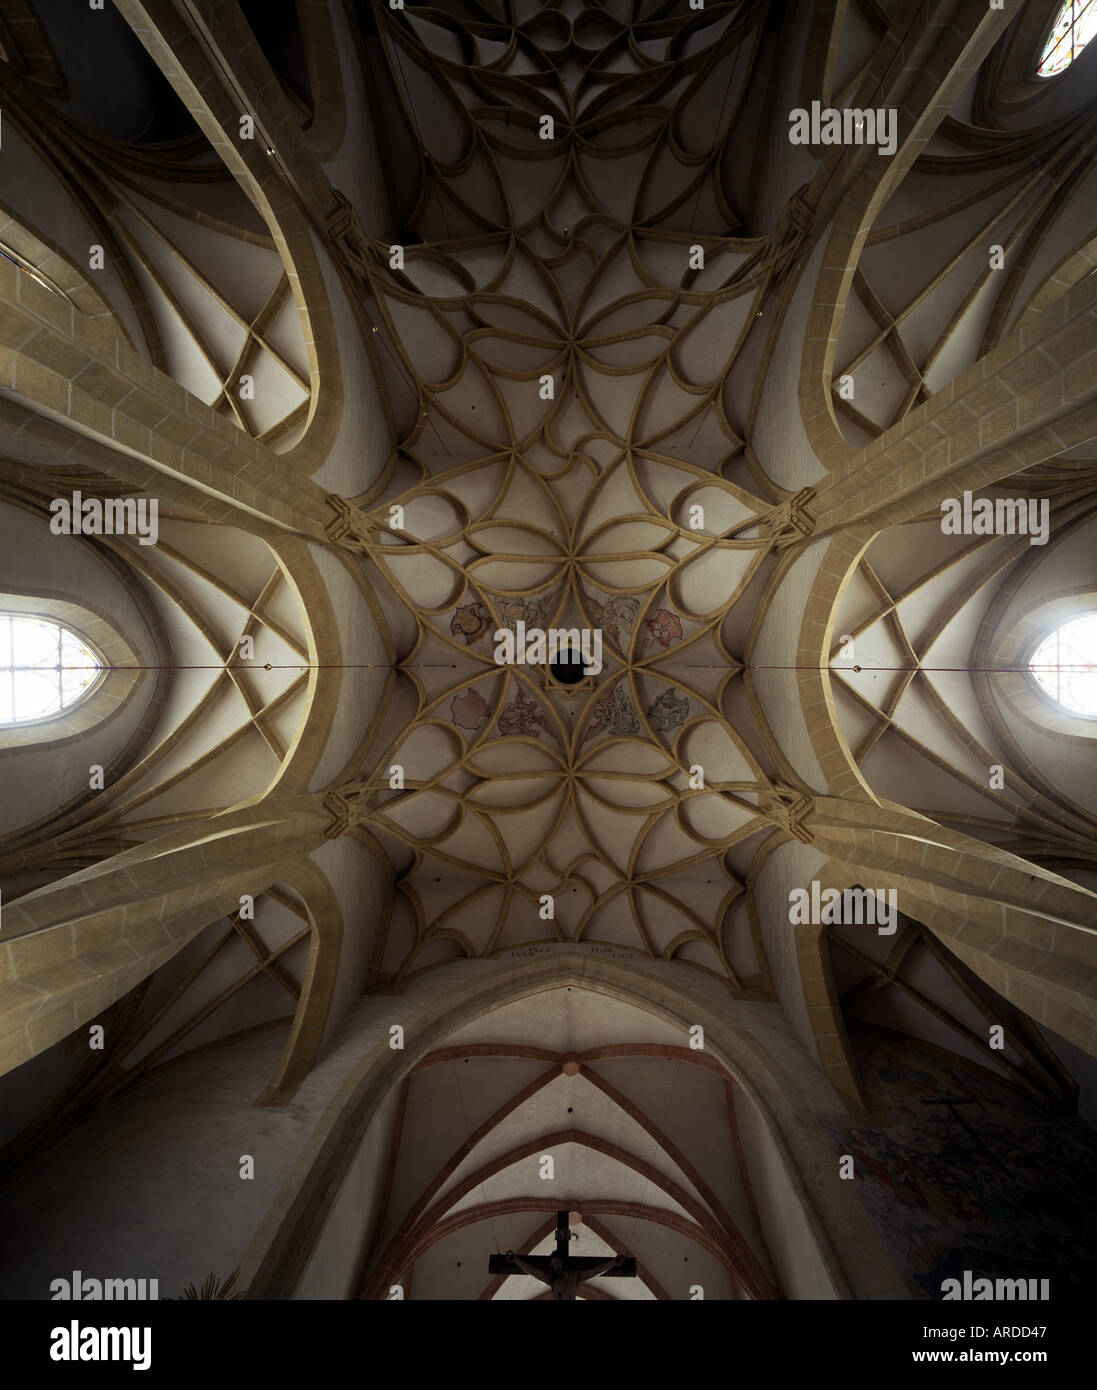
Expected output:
{"points": [[305, 1248]]}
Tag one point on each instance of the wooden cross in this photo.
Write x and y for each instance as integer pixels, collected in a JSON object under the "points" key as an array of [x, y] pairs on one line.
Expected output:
{"points": [[563, 1273]]}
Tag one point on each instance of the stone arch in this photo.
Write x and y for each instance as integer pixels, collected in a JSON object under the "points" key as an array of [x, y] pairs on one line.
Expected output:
{"points": [[311, 1016], [279, 1255], [282, 179]]}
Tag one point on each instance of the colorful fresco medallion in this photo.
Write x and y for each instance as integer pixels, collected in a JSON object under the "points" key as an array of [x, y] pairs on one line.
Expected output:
{"points": [[613, 714], [668, 711], [523, 715], [469, 710]]}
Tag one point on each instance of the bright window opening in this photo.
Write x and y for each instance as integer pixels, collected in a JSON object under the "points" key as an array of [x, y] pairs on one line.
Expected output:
{"points": [[1075, 25], [1065, 664], [44, 668]]}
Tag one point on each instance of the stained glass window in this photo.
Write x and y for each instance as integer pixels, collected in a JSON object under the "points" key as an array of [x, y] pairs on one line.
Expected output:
{"points": [[1075, 25], [44, 668], [1065, 664]]}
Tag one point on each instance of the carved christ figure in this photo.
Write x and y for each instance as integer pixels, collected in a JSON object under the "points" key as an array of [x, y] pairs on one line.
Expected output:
{"points": [[562, 1277], [563, 1273]]}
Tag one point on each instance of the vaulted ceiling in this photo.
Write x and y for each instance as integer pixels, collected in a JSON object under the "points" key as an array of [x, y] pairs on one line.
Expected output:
{"points": [[642, 1135], [628, 269]]}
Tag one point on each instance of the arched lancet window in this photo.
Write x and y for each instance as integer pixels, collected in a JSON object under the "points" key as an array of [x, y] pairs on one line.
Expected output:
{"points": [[1075, 25], [1065, 664], [44, 668]]}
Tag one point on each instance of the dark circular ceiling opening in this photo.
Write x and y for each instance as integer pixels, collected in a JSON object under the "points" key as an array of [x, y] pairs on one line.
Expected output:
{"points": [[568, 667]]}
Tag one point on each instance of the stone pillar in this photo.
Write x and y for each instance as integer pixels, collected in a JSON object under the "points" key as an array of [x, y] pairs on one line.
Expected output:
{"points": [[70, 949], [1027, 400], [1030, 934]]}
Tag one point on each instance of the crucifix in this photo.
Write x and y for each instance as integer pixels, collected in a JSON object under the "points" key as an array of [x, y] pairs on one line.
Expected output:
{"points": [[563, 1273]]}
